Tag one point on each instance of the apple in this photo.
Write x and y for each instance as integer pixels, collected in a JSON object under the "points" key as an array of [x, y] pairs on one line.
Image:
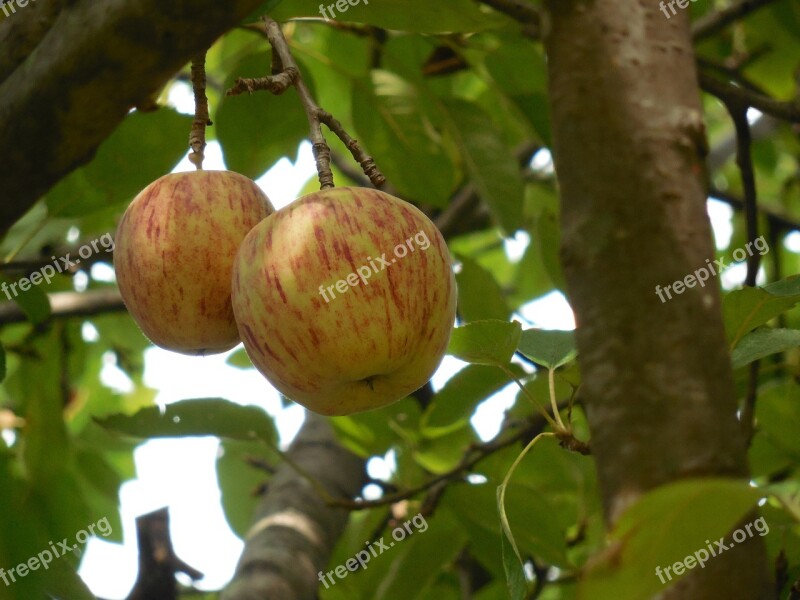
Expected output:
{"points": [[174, 251], [345, 299]]}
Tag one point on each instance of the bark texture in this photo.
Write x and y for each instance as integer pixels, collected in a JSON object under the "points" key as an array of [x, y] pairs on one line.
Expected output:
{"points": [[629, 151], [92, 61], [294, 531]]}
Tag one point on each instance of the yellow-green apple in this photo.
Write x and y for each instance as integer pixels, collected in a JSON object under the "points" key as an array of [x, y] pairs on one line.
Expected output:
{"points": [[174, 253], [345, 299]]}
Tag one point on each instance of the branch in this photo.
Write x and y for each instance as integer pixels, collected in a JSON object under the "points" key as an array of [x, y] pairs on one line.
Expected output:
{"points": [[475, 454], [69, 304], [781, 220], [158, 563], [294, 531], [519, 10], [714, 22], [727, 93], [19, 36], [71, 93], [286, 73]]}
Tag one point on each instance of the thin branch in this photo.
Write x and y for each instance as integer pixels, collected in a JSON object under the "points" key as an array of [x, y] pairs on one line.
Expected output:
{"points": [[286, 73], [69, 304], [521, 11], [727, 93], [716, 21], [472, 457], [197, 137], [744, 159], [780, 220]]}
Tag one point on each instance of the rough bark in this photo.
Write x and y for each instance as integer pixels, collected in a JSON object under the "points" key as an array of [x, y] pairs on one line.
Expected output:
{"points": [[295, 531], [629, 151], [96, 61]]}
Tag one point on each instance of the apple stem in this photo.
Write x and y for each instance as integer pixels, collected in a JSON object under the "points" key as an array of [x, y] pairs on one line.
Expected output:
{"points": [[285, 73], [197, 137]]}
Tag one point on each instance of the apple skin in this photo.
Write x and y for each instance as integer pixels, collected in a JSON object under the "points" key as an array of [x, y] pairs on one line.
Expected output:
{"points": [[367, 347], [174, 252]]}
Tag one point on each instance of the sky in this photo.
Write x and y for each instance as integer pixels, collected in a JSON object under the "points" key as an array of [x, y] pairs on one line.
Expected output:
{"points": [[180, 473]]}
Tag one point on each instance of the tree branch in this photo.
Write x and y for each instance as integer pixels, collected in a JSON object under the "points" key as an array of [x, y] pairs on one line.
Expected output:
{"points": [[69, 304], [716, 21], [294, 530], [20, 36], [70, 94], [727, 93]]}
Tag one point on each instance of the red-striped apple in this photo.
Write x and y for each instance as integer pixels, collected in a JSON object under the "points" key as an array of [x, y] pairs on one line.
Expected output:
{"points": [[174, 252], [345, 299]]}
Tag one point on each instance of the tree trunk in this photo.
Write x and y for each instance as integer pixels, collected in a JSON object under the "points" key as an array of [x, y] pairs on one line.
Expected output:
{"points": [[629, 151]]}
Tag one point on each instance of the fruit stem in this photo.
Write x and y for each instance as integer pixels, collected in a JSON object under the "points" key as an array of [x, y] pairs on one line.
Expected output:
{"points": [[197, 137], [286, 73]]}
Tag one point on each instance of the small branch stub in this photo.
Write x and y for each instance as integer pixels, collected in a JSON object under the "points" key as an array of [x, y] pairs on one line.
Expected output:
{"points": [[197, 137], [286, 74]]}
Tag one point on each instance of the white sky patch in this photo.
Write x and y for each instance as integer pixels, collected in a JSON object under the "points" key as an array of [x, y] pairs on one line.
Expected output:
{"points": [[792, 242], [721, 216]]}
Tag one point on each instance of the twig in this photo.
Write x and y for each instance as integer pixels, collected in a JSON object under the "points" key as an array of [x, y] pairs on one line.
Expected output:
{"points": [[472, 457], [787, 111], [716, 21], [197, 137], [744, 160], [286, 73], [778, 219], [521, 11], [68, 304]]}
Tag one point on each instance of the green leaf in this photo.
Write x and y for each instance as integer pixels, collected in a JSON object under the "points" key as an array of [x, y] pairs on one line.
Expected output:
{"points": [[688, 513], [143, 148], [515, 575], [389, 115], [2, 363], [763, 342], [479, 295], [401, 15], [255, 131], [35, 304], [748, 308], [486, 342], [491, 165], [239, 359], [199, 417], [441, 453], [549, 348]]}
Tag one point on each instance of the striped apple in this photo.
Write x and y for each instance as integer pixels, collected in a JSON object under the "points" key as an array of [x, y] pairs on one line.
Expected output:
{"points": [[174, 253], [345, 299]]}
